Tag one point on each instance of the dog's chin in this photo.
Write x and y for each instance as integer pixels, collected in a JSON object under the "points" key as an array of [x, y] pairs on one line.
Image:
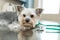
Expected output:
{"points": [[27, 26]]}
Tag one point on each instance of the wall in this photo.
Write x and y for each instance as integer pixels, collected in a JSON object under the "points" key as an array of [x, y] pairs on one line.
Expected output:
{"points": [[50, 17]]}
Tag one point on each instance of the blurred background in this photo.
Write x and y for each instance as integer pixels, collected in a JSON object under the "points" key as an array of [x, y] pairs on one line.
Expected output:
{"points": [[50, 14], [50, 7]]}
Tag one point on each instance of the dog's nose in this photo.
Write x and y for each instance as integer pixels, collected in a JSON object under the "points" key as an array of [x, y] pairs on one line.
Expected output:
{"points": [[27, 20]]}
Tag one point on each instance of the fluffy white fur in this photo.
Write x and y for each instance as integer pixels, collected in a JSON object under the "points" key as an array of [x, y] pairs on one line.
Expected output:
{"points": [[32, 35]]}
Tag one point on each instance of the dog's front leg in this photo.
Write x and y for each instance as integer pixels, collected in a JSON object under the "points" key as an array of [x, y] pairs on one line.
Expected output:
{"points": [[20, 36]]}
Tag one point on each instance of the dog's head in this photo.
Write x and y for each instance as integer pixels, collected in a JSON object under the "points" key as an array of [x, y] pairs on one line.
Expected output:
{"points": [[28, 17]]}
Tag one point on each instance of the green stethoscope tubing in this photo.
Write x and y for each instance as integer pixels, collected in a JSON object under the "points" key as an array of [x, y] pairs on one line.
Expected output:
{"points": [[49, 25]]}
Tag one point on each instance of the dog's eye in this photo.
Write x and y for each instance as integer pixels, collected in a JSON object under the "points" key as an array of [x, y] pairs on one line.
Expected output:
{"points": [[32, 16], [24, 15]]}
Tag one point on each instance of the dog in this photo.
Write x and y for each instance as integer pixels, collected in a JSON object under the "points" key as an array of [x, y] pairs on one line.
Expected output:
{"points": [[27, 19], [9, 25], [9, 19]]}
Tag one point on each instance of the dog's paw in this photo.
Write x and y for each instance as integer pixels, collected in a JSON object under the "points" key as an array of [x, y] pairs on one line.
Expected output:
{"points": [[14, 27]]}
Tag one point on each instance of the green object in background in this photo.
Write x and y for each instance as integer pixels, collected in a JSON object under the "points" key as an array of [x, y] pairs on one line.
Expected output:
{"points": [[52, 28], [47, 25]]}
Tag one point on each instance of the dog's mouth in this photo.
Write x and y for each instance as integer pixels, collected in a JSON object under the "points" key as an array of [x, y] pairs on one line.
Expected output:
{"points": [[24, 23], [28, 25]]}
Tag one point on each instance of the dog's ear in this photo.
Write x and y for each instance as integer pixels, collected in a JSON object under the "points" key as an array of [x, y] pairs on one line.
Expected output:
{"points": [[10, 4], [19, 8], [38, 11]]}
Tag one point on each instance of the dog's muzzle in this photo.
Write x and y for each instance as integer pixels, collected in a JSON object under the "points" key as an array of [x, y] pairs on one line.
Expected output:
{"points": [[27, 20], [27, 25]]}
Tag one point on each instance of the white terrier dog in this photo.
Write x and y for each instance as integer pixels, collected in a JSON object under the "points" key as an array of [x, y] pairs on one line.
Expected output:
{"points": [[27, 20]]}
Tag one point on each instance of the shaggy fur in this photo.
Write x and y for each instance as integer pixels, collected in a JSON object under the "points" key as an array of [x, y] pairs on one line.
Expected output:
{"points": [[27, 20]]}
